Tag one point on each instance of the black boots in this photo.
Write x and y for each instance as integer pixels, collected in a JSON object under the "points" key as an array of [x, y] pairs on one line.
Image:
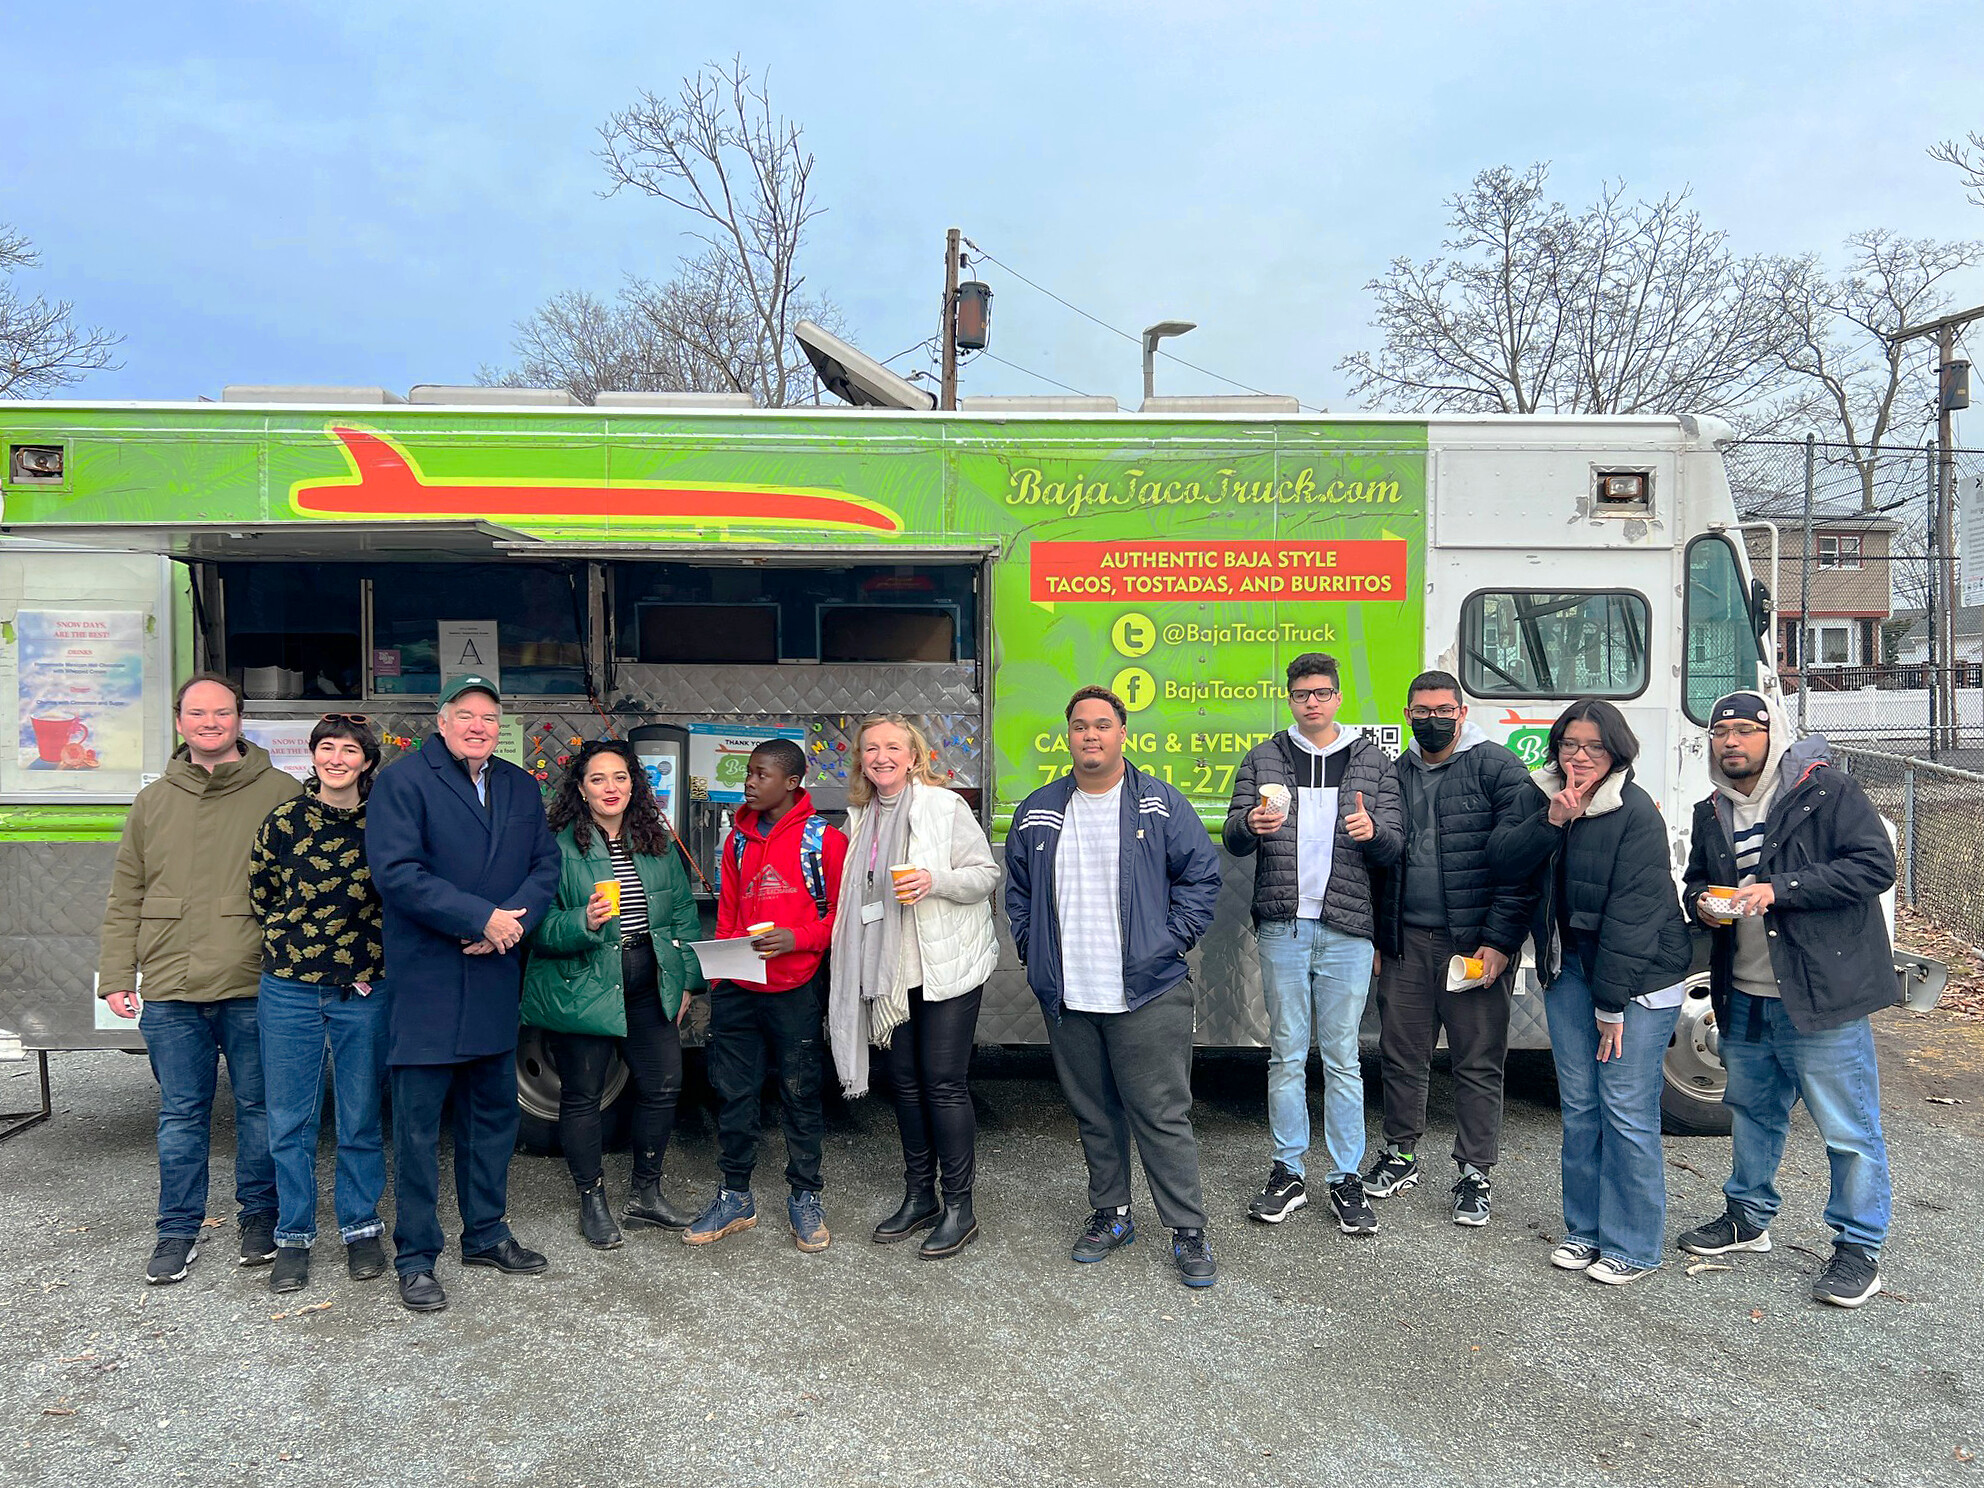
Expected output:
{"points": [[919, 1211], [595, 1219], [957, 1229], [648, 1205]]}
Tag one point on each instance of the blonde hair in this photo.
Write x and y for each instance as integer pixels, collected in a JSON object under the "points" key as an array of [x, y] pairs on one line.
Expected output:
{"points": [[860, 789]]}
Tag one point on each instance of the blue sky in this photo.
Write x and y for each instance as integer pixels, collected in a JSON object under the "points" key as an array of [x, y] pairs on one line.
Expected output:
{"points": [[373, 193]]}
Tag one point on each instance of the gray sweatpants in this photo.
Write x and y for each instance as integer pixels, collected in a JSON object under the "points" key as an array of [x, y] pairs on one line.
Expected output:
{"points": [[1130, 1074]]}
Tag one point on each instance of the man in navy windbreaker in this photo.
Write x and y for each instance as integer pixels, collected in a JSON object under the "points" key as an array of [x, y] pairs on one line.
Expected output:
{"points": [[1110, 879]]}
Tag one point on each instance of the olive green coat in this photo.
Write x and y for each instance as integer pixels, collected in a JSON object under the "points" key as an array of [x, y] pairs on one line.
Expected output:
{"points": [[572, 982], [179, 909]]}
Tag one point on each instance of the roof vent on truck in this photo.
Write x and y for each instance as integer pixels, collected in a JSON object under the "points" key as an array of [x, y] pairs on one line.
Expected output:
{"points": [[1031, 403], [1240, 403], [673, 400], [284, 392], [489, 397]]}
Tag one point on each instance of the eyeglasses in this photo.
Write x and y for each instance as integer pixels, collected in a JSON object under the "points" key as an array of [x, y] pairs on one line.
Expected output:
{"points": [[1445, 710], [1311, 694], [359, 718], [1736, 731], [1589, 751]]}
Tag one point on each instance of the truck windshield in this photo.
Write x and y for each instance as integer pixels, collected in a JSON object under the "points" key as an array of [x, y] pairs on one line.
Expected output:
{"points": [[1722, 654], [1534, 644]]}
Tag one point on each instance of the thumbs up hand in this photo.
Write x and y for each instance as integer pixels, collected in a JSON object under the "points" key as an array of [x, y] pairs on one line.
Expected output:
{"points": [[1359, 824]]}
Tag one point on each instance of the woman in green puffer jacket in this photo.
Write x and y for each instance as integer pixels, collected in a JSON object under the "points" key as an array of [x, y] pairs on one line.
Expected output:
{"points": [[610, 965]]}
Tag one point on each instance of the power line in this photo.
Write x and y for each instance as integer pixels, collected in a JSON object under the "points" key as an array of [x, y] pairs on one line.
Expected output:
{"points": [[1127, 336], [1031, 373]]}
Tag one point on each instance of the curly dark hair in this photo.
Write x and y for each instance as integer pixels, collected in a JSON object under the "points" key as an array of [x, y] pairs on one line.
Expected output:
{"points": [[642, 829]]}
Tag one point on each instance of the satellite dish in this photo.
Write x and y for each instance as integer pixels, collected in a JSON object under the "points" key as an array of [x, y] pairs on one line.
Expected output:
{"points": [[855, 377]]}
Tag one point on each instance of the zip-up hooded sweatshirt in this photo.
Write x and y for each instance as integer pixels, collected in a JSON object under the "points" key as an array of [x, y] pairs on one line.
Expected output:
{"points": [[770, 885], [1752, 970]]}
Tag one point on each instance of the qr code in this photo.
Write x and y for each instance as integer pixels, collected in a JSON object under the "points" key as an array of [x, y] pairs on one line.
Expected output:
{"points": [[1387, 736]]}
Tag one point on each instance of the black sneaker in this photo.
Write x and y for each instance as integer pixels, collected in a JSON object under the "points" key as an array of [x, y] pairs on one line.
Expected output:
{"points": [[171, 1259], [1850, 1278], [1393, 1173], [1471, 1199], [258, 1239], [1723, 1234], [1354, 1214], [1107, 1230], [1284, 1194], [1196, 1267], [292, 1269]]}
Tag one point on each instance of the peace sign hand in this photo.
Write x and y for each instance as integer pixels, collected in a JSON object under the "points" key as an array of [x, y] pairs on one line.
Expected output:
{"points": [[1359, 824]]}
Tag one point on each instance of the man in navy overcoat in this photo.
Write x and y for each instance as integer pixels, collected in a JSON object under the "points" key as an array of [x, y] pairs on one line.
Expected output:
{"points": [[465, 866]]}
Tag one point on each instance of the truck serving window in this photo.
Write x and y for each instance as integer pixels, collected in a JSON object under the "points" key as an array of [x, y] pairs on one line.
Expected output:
{"points": [[1530, 643], [1720, 654]]}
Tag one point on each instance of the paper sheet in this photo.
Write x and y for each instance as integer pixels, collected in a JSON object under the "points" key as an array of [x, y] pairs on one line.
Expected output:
{"points": [[730, 960]]}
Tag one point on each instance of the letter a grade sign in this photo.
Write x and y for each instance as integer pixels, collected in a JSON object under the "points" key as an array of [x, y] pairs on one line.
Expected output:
{"points": [[469, 646]]}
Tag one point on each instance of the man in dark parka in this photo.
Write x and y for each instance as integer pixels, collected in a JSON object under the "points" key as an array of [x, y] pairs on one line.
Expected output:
{"points": [[465, 867]]}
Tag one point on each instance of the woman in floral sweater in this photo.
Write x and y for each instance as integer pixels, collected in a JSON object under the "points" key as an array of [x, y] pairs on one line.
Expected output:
{"points": [[322, 960]]}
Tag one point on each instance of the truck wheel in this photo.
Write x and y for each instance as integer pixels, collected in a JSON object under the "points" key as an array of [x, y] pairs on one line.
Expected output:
{"points": [[1692, 1077], [538, 1086]]}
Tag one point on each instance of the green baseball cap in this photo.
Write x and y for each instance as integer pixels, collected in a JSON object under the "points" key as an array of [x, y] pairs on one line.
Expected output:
{"points": [[469, 682]]}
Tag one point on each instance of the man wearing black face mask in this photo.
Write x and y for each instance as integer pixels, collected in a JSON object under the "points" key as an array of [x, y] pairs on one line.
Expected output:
{"points": [[1436, 904]]}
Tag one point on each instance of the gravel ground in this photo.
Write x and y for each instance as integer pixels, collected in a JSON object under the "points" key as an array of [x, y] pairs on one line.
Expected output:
{"points": [[1450, 1356]]}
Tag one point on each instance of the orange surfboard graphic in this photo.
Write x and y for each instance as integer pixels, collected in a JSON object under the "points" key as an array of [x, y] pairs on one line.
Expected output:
{"points": [[386, 481]]}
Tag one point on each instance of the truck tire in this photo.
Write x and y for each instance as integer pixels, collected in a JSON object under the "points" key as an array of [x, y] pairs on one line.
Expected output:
{"points": [[1692, 1077], [538, 1087]]}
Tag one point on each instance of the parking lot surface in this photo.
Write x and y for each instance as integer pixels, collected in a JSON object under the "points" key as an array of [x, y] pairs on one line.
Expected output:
{"points": [[1430, 1354]]}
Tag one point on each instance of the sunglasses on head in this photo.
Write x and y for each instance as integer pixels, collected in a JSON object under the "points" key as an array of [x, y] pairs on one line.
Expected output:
{"points": [[358, 718]]}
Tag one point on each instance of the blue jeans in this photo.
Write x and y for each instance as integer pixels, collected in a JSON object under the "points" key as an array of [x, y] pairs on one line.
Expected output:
{"points": [[186, 1041], [1615, 1184], [297, 1018], [1836, 1074], [1316, 981]]}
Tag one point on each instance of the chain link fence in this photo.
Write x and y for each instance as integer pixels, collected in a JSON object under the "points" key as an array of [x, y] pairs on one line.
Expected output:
{"points": [[1938, 812], [1861, 666]]}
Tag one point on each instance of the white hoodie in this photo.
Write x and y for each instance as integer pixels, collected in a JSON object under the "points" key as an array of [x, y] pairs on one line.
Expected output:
{"points": [[1315, 822]]}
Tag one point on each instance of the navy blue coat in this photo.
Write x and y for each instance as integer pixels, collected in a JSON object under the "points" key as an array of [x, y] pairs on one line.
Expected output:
{"points": [[443, 863]]}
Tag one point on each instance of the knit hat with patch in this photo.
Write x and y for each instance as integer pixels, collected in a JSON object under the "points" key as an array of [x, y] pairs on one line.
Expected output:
{"points": [[1744, 705]]}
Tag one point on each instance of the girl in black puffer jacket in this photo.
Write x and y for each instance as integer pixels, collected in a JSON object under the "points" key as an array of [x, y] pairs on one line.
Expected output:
{"points": [[1612, 951]]}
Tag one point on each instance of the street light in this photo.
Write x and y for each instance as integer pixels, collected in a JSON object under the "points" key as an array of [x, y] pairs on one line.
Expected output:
{"points": [[1154, 334]]}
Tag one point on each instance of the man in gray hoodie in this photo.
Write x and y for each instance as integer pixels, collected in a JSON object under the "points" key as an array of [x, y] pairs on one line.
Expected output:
{"points": [[1787, 867], [1437, 903]]}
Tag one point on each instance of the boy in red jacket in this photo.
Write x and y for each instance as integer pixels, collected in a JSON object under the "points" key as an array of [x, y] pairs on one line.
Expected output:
{"points": [[780, 865]]}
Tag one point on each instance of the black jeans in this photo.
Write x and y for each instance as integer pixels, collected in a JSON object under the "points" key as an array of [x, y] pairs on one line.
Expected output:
{"points": [[925, 1065], [746, 1029], [1413, 1005], [653, 1051]]}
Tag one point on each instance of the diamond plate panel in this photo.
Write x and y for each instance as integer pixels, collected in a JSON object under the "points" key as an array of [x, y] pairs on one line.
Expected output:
{"points": [[740, 692], [51, 910]]}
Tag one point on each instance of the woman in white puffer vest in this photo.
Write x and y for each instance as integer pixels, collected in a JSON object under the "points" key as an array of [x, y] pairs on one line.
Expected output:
{"points": [[912, 946]]}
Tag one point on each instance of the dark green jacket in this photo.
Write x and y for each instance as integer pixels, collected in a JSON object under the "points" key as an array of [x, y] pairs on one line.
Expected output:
{"points": [[572, 982]]}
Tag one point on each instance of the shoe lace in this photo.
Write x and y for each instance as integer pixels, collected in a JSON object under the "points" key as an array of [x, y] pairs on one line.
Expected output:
{"points": [[808, 1205], [1350, 1192], [1192, 1247], [1102, 1224], [1470, 1186]]}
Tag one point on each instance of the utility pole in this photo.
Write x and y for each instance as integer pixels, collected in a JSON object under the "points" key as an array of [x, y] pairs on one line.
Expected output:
{"points": [[948, 396], [1942, 621], [1805, 582]]}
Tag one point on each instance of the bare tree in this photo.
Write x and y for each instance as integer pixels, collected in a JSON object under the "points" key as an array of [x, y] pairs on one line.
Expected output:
{"points": [[1847, 379], [1968, 158], [1624, 307], [41, 346]]}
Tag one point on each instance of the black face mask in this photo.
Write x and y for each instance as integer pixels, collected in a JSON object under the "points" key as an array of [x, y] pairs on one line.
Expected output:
{"points": [[1434, 734]]}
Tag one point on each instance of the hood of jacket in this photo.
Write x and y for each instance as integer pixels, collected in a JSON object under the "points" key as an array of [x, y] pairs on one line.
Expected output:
{"points": [[1609, 797], [223, 779], [1470, 736], [1347, 734], [1776, 774]]}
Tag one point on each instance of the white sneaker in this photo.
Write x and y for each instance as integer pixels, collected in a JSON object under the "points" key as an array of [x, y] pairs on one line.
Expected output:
{"points": [[1615, 1273]]}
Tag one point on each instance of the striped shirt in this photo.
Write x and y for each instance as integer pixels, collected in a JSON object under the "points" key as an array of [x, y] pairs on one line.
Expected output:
{"points": [[1749, 842], [633, 898], [1088, 898]]}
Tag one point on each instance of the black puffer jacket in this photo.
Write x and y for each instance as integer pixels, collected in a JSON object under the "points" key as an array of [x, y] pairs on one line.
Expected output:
{"points": [[1617, 882], [1348, 902], [1479, 789], [1828, 860]]}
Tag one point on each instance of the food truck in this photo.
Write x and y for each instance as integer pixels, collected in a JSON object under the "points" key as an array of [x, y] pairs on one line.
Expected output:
{"points": [[696, 578]]}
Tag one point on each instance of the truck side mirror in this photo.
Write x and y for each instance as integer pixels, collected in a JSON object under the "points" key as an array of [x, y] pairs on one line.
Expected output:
{"points": [[1760, 608]]}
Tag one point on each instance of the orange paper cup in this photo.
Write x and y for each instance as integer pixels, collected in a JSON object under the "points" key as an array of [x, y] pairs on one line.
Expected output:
{"points": [[1470, 968], [761, 927], [610, 887], [897, 873]]}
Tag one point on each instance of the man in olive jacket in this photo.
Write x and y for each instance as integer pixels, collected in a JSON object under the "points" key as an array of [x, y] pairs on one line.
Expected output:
{"points": [[179, 915], [1320, 806], [1793, 974]]}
